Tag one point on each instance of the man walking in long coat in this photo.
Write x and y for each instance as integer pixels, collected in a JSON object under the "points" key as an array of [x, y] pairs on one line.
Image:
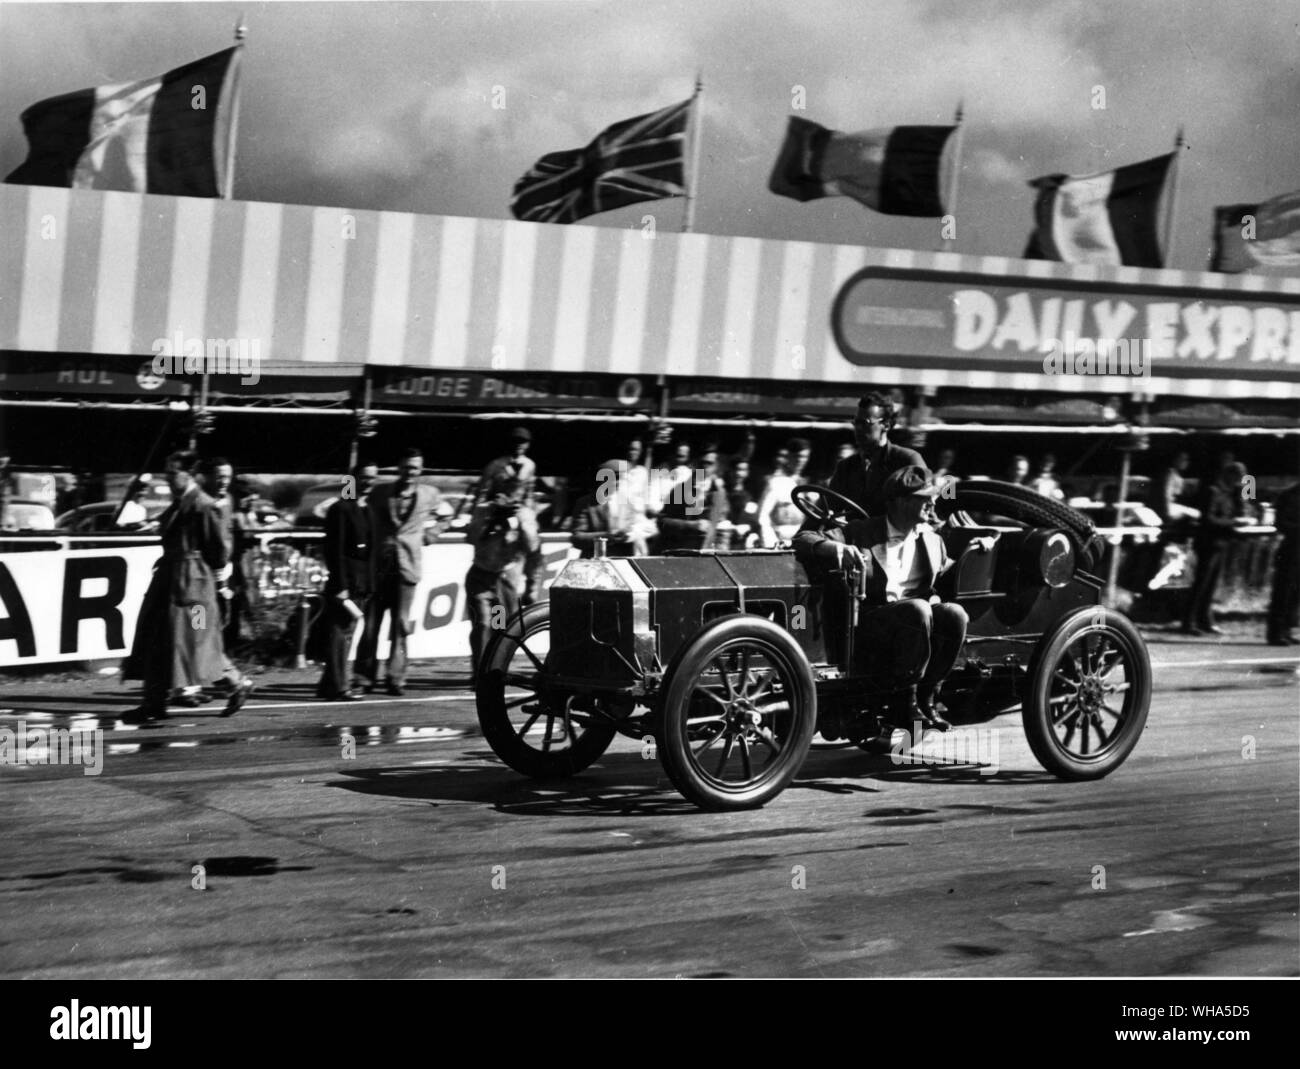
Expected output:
{"points": [[177, 640]]}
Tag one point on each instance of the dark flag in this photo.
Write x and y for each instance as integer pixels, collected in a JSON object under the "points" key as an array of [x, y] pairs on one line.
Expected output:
{"points": [[898, 171], [634, 160]]}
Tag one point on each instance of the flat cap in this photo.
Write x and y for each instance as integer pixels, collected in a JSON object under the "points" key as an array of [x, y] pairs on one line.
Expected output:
{"points": [[911, 481]]}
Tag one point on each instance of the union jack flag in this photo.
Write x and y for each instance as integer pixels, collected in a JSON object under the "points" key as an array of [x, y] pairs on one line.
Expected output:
{"points": [[631, 161]]}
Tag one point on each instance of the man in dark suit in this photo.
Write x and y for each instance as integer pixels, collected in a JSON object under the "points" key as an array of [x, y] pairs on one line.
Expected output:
{"points": [[1285, 597], [861, 477], [349, 555], [907, 636], [402, 513], [1222, 512], [697, 504], [177, 642]]}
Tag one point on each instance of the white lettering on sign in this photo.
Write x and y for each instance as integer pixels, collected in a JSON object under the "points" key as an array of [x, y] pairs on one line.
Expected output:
{"points": [[498, 389], [82, 604], [430, 386], [1191, 331], [83, 375]]}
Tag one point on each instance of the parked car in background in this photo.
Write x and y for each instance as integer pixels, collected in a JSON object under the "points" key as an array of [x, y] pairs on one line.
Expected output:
{"points": [[21, 515], [452, 490], [98, 518]]}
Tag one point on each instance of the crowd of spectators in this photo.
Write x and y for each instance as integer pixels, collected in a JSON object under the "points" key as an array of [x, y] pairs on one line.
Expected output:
{"points": [[691, 495]]}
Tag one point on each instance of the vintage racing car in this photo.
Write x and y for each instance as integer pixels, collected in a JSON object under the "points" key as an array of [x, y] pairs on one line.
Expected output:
{"points": [[733, 660]]}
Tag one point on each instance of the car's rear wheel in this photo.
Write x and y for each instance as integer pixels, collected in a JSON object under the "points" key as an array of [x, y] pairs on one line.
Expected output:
{"points": [[1089, 692], [535, 728], [738, 714]]}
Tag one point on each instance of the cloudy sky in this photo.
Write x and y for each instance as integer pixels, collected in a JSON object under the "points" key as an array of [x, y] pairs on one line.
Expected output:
{"points": [[389, 105]]}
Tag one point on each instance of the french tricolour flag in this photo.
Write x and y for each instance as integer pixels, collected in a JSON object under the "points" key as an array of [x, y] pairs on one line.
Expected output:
{"points": [[170, 134], [1108, 218]]}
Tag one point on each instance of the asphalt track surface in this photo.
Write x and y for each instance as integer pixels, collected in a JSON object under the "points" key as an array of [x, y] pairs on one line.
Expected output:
{"points": [[255, 847]]}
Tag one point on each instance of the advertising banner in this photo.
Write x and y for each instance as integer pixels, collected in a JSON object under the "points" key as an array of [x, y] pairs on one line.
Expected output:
{"points": [[476, 390], [1056, 328], [59, 603], [127, 378], [65, 604]]}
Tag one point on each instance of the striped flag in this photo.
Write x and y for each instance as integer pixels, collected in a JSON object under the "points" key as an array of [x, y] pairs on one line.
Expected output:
{"points": [[632, 161], [1257, 235], [169, 134], [899, 171], [1108, 218]]}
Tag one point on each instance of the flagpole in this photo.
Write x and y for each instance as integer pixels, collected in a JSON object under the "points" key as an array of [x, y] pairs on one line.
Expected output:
{"points": [[1171, 204], [241, 31], [688, 226], [950, 208]]}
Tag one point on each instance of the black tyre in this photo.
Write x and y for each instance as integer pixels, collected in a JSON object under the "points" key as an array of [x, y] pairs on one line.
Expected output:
{"points": [[1089, 692], [534, 728], [1026, 506], [738, 714]]}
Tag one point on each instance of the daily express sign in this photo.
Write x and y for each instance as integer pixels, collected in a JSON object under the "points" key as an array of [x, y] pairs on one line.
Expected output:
{"points": [[918, 318]]}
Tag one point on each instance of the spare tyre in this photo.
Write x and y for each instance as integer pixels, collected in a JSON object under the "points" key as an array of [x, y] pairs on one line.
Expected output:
{"points": [[1026, 506]]}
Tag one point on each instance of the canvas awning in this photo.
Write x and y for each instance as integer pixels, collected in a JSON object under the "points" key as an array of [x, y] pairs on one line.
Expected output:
{"points": [[90, 272]]}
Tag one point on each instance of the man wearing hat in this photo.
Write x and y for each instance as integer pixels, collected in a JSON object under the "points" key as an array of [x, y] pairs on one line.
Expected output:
{"points": [[508, 483], [513, 474], [909, 638]]}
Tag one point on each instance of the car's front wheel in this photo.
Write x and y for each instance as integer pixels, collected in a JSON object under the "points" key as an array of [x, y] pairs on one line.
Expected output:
{"points": [[1089, 691], [738, 714]]}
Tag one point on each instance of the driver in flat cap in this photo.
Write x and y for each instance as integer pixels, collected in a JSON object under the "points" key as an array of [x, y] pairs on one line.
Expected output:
{"points": [[909, 639]]}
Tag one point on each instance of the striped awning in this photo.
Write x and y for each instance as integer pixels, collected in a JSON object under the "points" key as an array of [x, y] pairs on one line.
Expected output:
{"points": [[84, 271]]}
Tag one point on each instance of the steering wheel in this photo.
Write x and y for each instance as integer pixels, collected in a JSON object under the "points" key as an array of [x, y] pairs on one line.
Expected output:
{"points": [[815, 501]]}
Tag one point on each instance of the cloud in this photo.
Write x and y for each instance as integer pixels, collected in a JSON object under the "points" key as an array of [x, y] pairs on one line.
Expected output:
{"points": [[994, 168], [387, 105]]}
